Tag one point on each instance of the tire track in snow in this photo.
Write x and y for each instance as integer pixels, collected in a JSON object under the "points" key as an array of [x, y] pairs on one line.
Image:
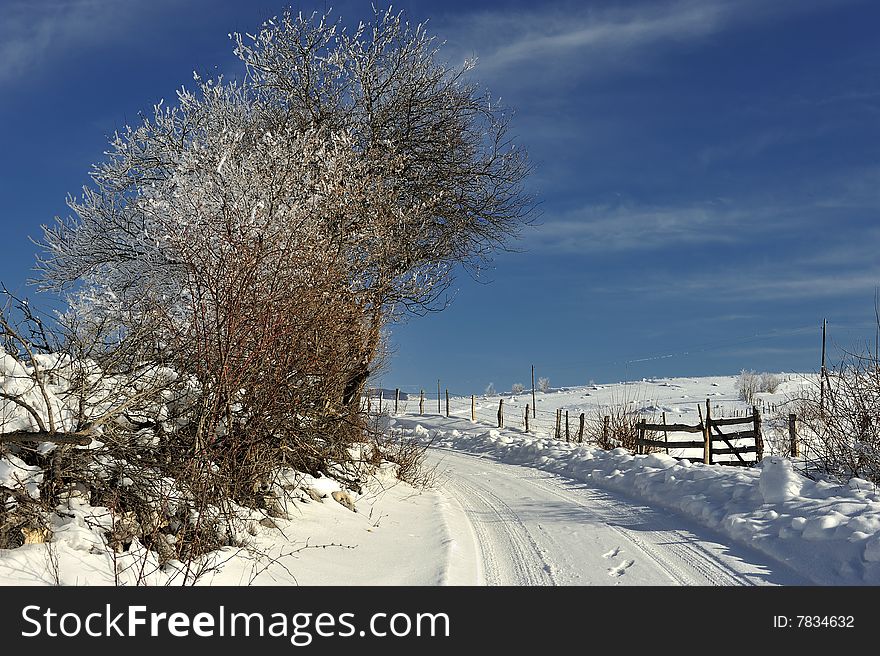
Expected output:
{"points": [[534, 528], [657, 545], [461, 566], [510, 552]]}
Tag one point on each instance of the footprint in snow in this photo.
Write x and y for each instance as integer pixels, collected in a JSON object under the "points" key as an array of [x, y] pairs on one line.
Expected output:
{"points": [[612, 553], [620, 570]]}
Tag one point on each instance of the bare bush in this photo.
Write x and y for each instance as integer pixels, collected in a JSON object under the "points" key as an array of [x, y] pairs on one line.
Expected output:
{"points": [[408, 455], [769, 383], [260, 235], [517, 388], [621, 428], [747, 385], [490, 390], [543, 384], [839, 419]]}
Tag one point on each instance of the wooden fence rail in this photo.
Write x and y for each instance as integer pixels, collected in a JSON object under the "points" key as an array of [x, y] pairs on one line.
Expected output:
{"points": [[710, 427]]}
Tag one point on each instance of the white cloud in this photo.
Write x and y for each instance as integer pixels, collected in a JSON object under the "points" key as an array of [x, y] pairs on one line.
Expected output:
{"points": [[800, 213], [559, 41], [33, 33], [556, 36], [743, 282], [633, 227]]}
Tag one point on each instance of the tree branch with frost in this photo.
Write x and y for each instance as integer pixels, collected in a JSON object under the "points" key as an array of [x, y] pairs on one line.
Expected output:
{"points": [[35, 375]]}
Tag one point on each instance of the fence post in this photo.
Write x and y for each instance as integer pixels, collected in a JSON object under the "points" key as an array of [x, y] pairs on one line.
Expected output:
{"points": [[447, 401], [500, 413], [581, 430], [792, 435], [640, 435], [665, 433], [759, 439], [558, 423], [422, 402], [473, 409], [707, 435], [396, 399], [567, 436], [527, 417], [605, 432], [369, 403], [822, 375], [381, 398]]}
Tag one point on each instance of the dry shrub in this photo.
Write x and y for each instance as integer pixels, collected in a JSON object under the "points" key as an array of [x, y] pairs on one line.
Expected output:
{"points": [[21, 518], [623, 417], [408, 454], [749, 383], [839, 434]]}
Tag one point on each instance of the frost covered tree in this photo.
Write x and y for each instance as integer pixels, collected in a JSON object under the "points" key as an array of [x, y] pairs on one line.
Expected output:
{"points": [[439, 183], [268, 230]]}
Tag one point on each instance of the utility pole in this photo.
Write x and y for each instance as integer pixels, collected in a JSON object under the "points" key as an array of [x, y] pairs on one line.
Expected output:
{"points": [[822, 373], [533, 392]]}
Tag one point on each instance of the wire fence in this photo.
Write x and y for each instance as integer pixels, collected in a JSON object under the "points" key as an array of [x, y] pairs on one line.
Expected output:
{"points": [[566, 419]]}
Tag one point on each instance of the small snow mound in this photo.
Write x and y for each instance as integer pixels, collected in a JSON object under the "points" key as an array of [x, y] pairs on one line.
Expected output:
{"points": [[779, 481], [861, 484], [822, 527], [872, 550], [324, 485], [660, 460]]}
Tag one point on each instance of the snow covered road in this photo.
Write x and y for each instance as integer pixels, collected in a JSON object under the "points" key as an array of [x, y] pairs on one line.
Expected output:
{"points": [[531, 527]]}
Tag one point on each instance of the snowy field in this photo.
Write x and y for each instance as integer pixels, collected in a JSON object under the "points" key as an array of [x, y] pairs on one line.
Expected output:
{"points": [[681, 400], [513, 508]]}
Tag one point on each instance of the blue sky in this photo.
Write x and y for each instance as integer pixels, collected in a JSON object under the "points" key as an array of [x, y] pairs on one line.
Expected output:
{"points": [[708, 171]]}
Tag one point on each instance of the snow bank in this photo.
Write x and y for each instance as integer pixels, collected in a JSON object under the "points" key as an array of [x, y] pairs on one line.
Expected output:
{"points": [[828, 533]]}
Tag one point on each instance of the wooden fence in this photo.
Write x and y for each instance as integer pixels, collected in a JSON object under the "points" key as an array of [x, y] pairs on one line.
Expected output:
{"points": [[711, 433], [743, 447]]}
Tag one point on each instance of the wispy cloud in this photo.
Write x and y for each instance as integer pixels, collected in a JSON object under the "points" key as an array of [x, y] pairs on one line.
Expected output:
{"points": [[32, 33], [619, 30], [802, 212], [791, 246], [797, 283], [745, 281], [571, 39], [755, 145], [632, 227]]}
